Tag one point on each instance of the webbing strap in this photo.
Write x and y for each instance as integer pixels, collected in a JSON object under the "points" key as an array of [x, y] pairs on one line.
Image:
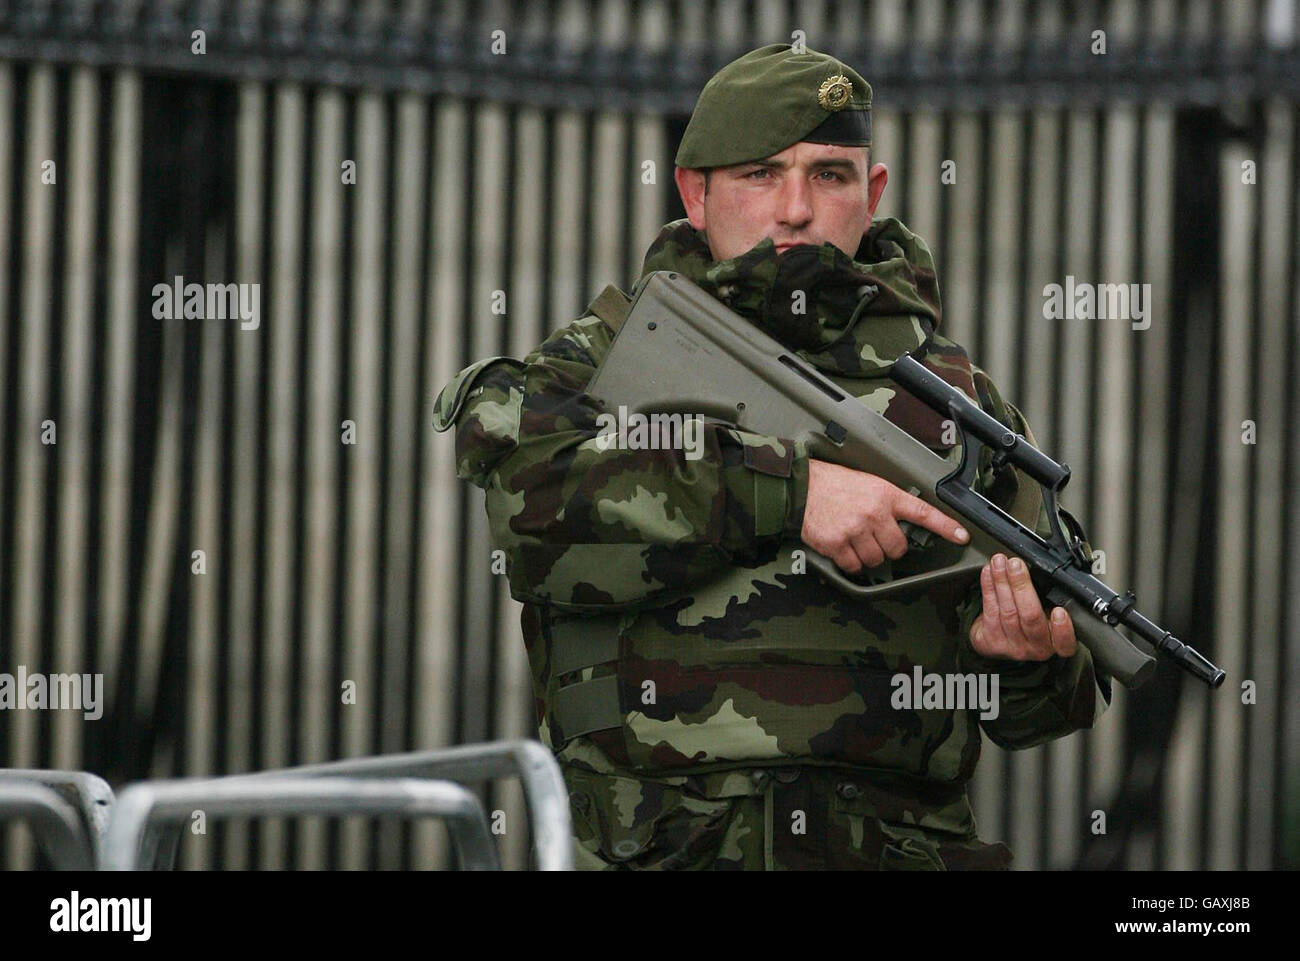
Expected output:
{"points": [[587, 706], [583, 642], [612, 306]]}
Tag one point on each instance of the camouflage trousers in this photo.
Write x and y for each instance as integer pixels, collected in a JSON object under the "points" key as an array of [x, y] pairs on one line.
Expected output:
{"points": [[800, 817]]}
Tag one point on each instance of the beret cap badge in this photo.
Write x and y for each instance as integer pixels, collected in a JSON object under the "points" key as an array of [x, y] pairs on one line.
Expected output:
{"points": [[835, 92]]}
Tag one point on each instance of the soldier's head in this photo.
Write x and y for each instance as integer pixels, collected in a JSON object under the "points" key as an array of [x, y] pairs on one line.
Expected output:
{"points": [[779, 146]]}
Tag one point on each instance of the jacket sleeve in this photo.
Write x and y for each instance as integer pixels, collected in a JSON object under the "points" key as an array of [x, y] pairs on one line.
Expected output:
{"points": [[1038, 700], [586, 525]]}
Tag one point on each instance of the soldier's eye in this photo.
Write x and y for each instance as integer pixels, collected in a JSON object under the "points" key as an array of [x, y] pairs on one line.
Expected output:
{"points": [[834, 175], [759, 174]]}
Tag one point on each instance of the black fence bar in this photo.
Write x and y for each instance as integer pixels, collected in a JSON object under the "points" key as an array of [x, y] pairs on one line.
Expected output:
{"points": [[385, 48]]}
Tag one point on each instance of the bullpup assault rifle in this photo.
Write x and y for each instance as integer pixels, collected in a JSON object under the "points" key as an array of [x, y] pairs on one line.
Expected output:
{"points": [[681, 351]]}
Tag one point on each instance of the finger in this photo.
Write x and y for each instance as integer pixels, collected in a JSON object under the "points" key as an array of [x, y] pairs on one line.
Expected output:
{"points": [[1064, 642], [980, 640], [1007, 611], [847, 560], [892, 540], [867, 548], [910, 508], [986, 587], [1033, 622], [991, 642]]}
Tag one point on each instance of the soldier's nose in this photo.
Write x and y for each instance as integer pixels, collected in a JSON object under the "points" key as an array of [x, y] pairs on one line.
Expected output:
{"points": [[797, 210]]}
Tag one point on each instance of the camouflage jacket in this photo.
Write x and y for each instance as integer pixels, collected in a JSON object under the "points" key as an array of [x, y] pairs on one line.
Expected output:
{"points": [[675, 641]]}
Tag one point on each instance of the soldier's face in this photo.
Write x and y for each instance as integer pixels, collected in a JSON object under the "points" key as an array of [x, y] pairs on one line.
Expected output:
{"points": [[809, 193]]}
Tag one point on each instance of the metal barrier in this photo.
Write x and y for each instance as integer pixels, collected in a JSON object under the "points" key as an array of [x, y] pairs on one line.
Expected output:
{"points": [[55, 822], [80, 825], [145, 811], [545, 793], [88, 793]]}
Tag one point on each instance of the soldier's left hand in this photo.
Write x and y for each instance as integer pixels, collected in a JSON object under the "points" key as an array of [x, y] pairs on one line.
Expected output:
{"points": [[1014, 624]]}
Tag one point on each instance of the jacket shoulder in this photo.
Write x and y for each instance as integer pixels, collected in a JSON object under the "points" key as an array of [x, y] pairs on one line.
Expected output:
{"points": [[584, 342]]}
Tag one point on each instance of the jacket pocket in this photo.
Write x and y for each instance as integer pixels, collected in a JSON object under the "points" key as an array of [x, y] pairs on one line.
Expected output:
{"points": [[908, 849], [879, 842], [629, 824]]}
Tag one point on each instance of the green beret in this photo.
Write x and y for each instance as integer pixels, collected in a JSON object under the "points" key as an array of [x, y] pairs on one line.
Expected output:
{"points": [[771, 98]]}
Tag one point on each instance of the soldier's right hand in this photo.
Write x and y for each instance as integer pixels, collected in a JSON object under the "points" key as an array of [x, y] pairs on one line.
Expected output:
{"points": [[852, 517]]}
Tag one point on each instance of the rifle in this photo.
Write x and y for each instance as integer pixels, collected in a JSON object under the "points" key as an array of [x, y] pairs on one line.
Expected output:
{"points": [[681, 351]]}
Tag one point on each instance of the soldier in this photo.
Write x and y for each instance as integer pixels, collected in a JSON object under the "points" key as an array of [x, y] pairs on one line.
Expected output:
{"points": [[711, 704]]}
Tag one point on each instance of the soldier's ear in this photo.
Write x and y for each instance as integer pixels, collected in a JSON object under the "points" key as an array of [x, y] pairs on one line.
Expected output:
{"points": [[877, 177], [690, 184]]}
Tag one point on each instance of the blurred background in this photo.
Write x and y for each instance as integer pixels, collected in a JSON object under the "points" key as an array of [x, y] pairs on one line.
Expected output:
{"points": [[537, 161]]}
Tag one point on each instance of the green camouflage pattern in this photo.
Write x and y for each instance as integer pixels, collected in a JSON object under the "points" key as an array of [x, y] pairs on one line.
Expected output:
{"points": [[749, 689], [784, 818]]}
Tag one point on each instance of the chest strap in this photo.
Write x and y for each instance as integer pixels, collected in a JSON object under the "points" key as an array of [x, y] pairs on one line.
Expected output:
{"points": [[583, 642], [585, 707]]}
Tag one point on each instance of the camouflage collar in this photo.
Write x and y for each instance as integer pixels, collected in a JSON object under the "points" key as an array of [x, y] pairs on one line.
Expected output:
{"points": [[851, 317]]}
